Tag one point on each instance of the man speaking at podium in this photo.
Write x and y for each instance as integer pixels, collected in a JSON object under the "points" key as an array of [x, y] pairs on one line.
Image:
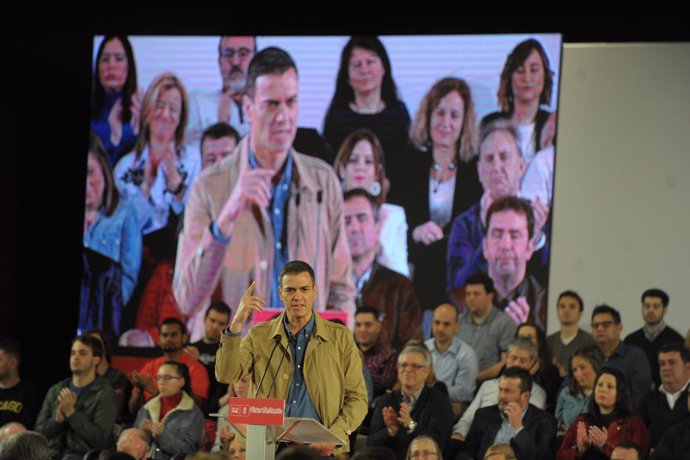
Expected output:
{"points": [[321, 376]]}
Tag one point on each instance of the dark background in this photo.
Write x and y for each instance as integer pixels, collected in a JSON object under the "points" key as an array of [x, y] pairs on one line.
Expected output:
{"points": [[45, 70]]}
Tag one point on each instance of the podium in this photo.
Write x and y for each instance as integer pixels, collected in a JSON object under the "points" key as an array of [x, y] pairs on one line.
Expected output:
{"points": [[267, 426]]}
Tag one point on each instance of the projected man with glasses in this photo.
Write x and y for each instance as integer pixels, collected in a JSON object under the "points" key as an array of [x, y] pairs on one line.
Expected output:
{"points": [[414, 410]]}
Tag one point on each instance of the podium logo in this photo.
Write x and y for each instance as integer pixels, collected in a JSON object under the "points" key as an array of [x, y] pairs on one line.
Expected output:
{"points": [[239, 410]]}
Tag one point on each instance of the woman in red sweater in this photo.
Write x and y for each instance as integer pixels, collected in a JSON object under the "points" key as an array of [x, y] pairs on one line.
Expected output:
{"points": [[608, 424]]}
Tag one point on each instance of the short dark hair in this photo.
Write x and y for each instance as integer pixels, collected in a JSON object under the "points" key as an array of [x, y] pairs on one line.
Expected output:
{"points": [[269, 61], [172, 320], [182, 371], [218, 131], [519, 373], [28, 445], [360, 192], [103, 336], [512, 203], [603, 308], [220, 307], [12, 348], [295, 267], [297, 453], [655, 292], [676, 347], [368, 309], [483, 279], [94, 344], [574, 295]]}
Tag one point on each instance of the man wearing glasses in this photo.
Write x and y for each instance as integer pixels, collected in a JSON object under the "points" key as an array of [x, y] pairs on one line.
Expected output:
{"points": [[630, 360], [413, 410], [234, 55]]}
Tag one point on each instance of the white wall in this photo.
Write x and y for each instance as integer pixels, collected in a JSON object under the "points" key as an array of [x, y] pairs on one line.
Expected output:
{"points": [[622, 194]]}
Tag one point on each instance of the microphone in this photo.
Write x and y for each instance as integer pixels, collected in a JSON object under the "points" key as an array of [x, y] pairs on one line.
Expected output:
{"points": [[277, 340], [293, 340]]}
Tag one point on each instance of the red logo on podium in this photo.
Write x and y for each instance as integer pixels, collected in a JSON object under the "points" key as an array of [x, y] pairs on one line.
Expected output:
{"points": [[256, 411]]}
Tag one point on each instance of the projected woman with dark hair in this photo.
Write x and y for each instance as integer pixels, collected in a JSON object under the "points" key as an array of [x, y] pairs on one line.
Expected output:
{"points": [[526, 84], [366, 97], [112, 247], [116, 102]]}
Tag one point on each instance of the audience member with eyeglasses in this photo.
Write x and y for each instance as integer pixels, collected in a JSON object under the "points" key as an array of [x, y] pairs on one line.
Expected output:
{"points": [[171, 418], [413, 410], [630, 360]]}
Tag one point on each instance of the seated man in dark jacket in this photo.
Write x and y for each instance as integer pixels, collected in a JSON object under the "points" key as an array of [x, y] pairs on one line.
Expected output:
{"points": [[528, 430], [412, 411]]}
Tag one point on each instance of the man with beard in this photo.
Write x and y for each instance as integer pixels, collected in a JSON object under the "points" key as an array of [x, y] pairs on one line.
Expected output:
{"points": [[78, 413], [172, 338], [655, 333], [234, 55]]}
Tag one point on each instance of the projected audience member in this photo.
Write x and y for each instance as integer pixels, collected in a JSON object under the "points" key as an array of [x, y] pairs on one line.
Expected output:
{"points": [[442, 181], [413, 410], [667, 405], [117, 379], [19, 398], [529, 430], [391, 293], [500, 168], [116, 101], [157, 174], [608, 423], [225, 105], [171, 418], [172, 339], [359, 164], [366, 97], [655, 333], [78, 413], [217, 142], [630, 360], [526, 83], [563, 343], [265, 206], [574, 399], [508, 246], [484, 327], [112, 242], [543, 371]]}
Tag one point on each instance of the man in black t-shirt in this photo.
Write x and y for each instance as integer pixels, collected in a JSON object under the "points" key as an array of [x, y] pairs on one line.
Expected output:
{"points": [[20, 400], [216, 319]]}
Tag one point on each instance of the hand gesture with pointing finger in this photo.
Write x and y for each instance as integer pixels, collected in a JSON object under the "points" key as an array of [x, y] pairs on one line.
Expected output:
{"points": [[248, 303]]}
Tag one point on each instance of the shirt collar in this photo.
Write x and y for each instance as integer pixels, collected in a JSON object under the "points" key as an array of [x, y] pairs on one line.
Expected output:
{"points": [[651, 335], [306, 331], [666, 392]]}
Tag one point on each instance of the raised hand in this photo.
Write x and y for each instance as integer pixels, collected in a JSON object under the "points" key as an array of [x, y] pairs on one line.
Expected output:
{"points": [[390, 419], [248, 303], [598, 436], [582, 437], [253, 188], [518, 309], [427, 233]]}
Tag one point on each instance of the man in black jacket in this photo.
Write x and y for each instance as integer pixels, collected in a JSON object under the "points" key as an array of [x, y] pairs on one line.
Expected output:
{"points": [[412, 411], [529, 431]]}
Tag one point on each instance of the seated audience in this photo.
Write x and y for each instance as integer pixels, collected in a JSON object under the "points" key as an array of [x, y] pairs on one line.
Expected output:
{"points": [[359, 164], [655, 333], [499, 452], [608, 423], [134, 442], [379, 357], [414, 410], [529, 430], [391, 293], [675, 442], [226, 432], [78, 413], [117, 379], [423, 447], [28, 445], [563, 343], [544, 372], [10, 429], [484, 327], [630, 360], [19, 399], [667, 406], [171, 340], [627, 451], [575, 398], [455, 362], [171, 418]]}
